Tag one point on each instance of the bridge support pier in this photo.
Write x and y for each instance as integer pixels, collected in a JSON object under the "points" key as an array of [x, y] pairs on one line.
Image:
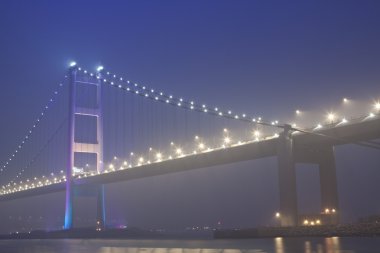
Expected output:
{"points": [[328, 183], [287, 179]]}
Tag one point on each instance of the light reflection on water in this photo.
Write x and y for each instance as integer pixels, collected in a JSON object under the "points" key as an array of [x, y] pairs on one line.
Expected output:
{"points": [[276, 245]]}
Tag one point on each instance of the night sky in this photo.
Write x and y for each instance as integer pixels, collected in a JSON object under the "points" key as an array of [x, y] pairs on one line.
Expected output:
{"points": [[263, 58]]}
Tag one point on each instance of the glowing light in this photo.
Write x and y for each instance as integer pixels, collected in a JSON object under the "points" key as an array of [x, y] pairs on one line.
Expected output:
{"points": [[99, 68], [72, 64], [377, 105], [201, 146], [298, 112], [318, 222], [344, 121], [227, 140], [141, 159], [158, 156], [345, 100], [256, 133], [278, 215], [333, 210], [331, 116], [178, 151], [327, 210], [371, 115], [305, 222]]}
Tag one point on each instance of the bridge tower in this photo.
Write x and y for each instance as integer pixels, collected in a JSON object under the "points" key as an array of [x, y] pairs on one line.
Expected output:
{"points": [[80, 147]]}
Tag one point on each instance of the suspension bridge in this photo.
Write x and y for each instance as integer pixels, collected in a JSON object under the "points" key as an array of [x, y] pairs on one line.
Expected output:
{"points": [[100, 128]]}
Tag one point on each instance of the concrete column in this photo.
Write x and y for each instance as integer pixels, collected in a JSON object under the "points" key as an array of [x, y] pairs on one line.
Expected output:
{"points": [[287, 179], [70, 160], [328, 182], [101, 213]]}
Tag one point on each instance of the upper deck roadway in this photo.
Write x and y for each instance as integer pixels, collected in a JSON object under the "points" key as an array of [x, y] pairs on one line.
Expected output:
{"points": [[364, 129]]}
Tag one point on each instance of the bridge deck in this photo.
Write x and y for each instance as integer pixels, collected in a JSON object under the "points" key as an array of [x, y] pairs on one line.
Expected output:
{"points": [[304, 145]]}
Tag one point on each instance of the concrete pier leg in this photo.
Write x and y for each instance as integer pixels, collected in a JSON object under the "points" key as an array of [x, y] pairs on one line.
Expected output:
{"points": [[287, 179], [101, 213], [328, 183], [70, 160]]}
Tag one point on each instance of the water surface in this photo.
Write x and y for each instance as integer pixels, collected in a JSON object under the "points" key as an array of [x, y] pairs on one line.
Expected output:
{"points": [[276, 245]]}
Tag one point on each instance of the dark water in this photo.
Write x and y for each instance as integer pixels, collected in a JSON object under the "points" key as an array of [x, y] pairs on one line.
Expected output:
{"points": [[277, 245]]}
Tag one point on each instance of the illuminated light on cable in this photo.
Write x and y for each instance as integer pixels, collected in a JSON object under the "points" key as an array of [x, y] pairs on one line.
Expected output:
{"points": [[371, 115], [225, 130], [318, 222], [327, 210], [216, 109], [203, 106], [179, 104], [236, 116], [205, 110], [158, 156], [141, 159], [331, 116], [256, 133], [298, 112], [377, 105], [192, 102], [253, 120], [229, 112], [72, 64], [192, 107], [167, 101], [172, 143], [345, 100], [319, 126], [178, 151], [220, 114], [333, 210], [111, 166], [201, 146], [278, 215], [344, 121], [244, 115], [227, 140], [100, 68], [132, 154], [196, 137]]}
